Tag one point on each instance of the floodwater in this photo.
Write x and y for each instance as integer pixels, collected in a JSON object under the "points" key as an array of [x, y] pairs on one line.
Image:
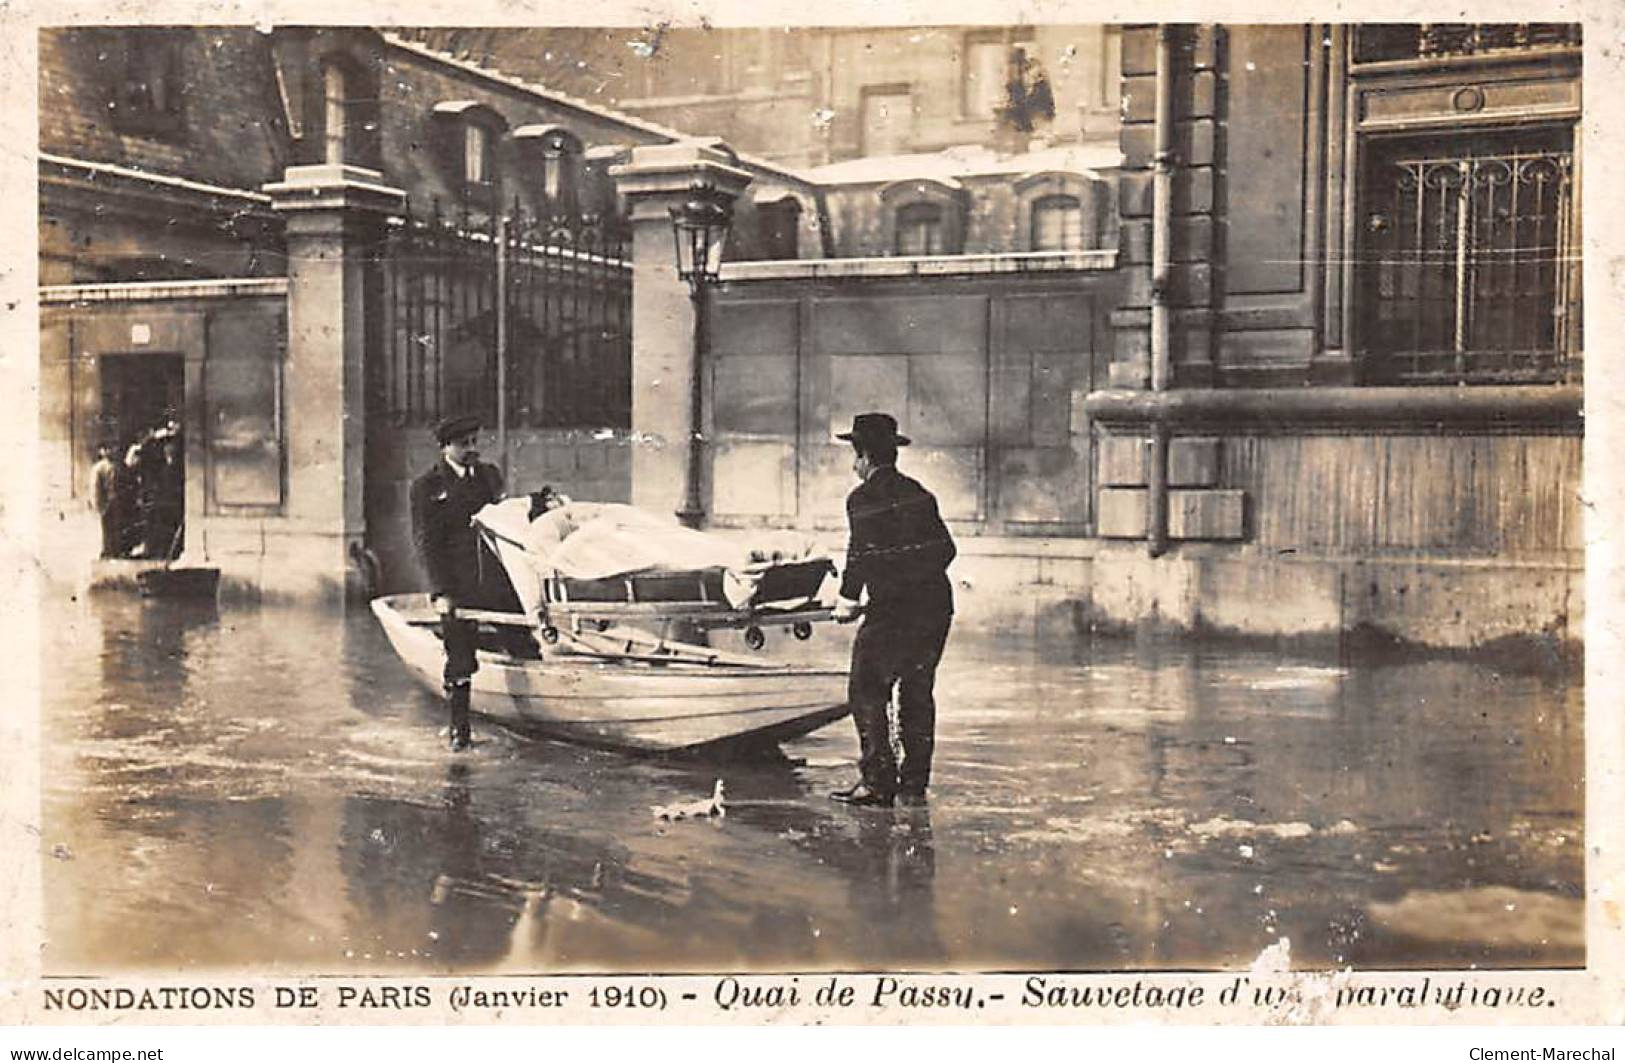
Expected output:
{"points": [[264, 789]]}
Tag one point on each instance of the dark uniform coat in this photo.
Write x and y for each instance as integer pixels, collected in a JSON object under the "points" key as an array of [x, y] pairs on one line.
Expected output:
{"points": [[443, 504], [899, 552], [899, 549], [457, 563]]}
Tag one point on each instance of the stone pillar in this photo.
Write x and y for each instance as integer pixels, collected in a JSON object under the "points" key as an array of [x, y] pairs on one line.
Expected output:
{"points": [[335, 218], [664, 362]]}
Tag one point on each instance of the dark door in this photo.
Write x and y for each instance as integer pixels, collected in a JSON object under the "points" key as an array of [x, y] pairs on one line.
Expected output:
{"points": [[142, 399]]}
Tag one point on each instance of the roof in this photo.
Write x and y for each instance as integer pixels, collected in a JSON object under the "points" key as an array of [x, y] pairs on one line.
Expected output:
{"points": [[577, 104], [969, 161]]}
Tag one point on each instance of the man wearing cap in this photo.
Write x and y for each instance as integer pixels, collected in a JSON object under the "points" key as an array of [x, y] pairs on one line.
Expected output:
{"points": [[899, 552], [444, 501]]}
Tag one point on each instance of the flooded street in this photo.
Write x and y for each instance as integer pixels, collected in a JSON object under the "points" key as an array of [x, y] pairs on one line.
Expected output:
{"points": [[263, 788]]}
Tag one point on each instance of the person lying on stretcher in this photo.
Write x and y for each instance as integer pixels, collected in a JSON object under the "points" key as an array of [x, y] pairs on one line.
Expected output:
{"points": [[546, 534]]}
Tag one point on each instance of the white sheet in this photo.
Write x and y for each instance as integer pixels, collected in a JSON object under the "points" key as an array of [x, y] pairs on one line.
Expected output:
{"points": [[597, 540]]}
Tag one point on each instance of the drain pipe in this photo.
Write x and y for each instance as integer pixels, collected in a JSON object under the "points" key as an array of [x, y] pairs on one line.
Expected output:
{"points": [[1162, 211]]}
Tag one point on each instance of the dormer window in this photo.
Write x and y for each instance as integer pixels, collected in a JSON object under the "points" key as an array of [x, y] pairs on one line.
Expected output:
{"points": [[147, 100], [925, 217], [919, 230], [471, 133], [554, 154], [778, 226], [476, 154], [1057, 224], [1064, 211]]}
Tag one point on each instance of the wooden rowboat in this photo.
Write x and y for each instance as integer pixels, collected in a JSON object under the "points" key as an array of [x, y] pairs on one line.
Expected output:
{"points": [[608, 690]]}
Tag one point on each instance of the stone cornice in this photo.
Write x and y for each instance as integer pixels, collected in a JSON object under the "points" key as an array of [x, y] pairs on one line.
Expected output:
{"points": [[1549, 408]]}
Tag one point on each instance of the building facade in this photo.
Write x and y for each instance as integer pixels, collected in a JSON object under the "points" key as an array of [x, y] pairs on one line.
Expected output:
{"points": [[1346, 378], [1296, 354]]}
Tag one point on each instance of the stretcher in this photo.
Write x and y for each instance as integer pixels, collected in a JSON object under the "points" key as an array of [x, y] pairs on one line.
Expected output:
{"points": [[785, 596]]}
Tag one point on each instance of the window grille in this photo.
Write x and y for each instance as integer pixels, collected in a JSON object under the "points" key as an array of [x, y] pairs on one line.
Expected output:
{"points": [[1380, 42], [1471, 264]]}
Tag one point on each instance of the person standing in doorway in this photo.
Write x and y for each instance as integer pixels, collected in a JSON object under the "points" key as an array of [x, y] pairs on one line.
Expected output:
{"points": [[898, 555], [107, 474], [444, 501], [168, 501]]}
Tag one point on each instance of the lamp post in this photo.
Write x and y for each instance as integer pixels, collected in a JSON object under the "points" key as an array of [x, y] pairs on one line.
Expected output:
{"points": [[700, 226]]}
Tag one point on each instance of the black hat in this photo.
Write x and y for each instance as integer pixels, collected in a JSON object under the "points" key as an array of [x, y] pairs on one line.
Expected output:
{"points": [[456, 427], [874, 428]]}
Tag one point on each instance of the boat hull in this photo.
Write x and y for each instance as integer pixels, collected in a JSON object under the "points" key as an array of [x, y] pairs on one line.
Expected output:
{"points": [[635, 707]]}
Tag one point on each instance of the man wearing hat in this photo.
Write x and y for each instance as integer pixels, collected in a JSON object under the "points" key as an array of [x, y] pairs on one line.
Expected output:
{"points": [[899, 554], [444, 501]]}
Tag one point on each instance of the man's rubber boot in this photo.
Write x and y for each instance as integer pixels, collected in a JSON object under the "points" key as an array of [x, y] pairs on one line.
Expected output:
{"points": [[457, 702]]}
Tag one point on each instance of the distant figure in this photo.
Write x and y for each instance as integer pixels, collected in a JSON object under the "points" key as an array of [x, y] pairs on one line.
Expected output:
{"points": [[444, 501], [167, 507], [108, 475], [138, 488], [899, 554]]}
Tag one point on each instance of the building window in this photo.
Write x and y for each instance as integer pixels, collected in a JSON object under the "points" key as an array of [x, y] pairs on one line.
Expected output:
{"points": [[1111, 69], [779, 226], [148, 98], [561, 163], [919, 230], [888, 120], [336, 114], [1470, 264], [1381, 42], [985, 71], [1057, 223], [476, 154]]}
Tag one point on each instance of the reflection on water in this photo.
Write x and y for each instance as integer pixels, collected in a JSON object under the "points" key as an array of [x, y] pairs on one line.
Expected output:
{"points": [[264, 788]]}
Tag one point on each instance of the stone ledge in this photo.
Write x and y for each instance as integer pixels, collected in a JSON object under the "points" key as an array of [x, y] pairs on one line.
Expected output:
{"points": [[153, 291], [921, 266], [1492, 407]]}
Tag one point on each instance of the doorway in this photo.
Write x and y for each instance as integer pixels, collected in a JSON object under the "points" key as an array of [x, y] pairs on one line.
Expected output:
{"points": [[143, 396]]}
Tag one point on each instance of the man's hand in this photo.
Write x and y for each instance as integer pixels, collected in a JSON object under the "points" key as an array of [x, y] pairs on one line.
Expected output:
{"points": [[845, 611], [442, 604]]}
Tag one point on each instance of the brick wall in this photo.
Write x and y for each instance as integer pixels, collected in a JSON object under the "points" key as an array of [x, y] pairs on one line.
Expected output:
{"points": [[232, 131]]}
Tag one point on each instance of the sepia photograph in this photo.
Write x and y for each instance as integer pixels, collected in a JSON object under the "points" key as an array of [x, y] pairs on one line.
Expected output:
{"points": [[1052, 497]]}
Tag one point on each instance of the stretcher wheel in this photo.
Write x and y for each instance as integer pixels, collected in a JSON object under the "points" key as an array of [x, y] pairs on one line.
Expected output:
{"points": [[604, 625], [802, 630], [754, 638], [550, 635]]}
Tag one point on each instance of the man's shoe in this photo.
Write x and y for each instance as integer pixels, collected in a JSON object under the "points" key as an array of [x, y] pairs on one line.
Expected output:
{"points": [[461, 742], [860, 796]]}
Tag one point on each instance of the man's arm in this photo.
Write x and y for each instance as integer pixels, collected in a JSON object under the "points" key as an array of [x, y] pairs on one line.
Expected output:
{"points": [[936, 545], [426, 536], [861, 546]]}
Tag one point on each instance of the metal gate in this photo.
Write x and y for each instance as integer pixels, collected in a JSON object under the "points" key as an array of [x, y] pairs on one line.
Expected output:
{"points": [[536, 310]]}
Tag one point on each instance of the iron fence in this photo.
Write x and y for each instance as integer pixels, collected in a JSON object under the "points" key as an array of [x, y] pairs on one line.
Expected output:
{"points": [[535, 308]]}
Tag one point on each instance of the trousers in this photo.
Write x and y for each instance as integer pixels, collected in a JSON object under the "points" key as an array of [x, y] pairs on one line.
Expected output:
{"points": [[900, 651]]}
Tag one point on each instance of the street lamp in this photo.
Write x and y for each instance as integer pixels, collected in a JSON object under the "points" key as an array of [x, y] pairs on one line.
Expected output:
{"points": [[700, 226]]}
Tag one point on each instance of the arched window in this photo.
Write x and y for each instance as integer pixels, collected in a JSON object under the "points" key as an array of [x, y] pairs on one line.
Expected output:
{"points": [[919, 230], [1057, 223]]}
